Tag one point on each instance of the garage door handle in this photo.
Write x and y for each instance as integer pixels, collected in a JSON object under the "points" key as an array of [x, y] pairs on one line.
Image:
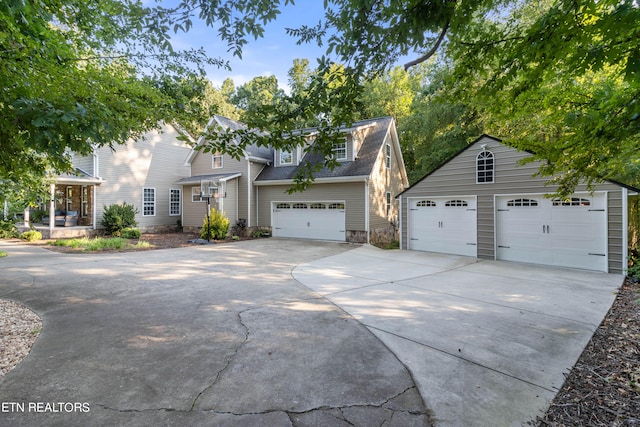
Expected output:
{"points": [[596, 210], [414, 239], [597, 254], [504, 247]]}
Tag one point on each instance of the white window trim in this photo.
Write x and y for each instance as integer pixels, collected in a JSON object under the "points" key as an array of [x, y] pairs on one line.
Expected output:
{"points": [[493, 167], [213, 161], [283, 152], [335, 150], [144, 202], [179, 192], [387, 156]]}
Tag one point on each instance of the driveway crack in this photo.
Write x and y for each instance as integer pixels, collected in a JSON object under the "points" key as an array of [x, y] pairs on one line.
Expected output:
{"points": [[229, 359]]}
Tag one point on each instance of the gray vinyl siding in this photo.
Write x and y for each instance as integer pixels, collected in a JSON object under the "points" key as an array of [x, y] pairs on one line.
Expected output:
{"points": [[84, 162], [458, 177], [352, 193], [383, 180], [157, 161], [202, 164], [193, 212], [229, 204]]}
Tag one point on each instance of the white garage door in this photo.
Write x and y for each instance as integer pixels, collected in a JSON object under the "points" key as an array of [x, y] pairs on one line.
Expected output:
{"points": [[568, 233], [309, 220], [443, 224]]}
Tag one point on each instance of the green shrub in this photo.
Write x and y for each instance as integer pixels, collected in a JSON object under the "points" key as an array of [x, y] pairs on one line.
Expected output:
{"points": [[36, 215], [130, 233], [118, 217], [259, 232], [31, 236], [3, 254], [8, 230], [218, 225]]}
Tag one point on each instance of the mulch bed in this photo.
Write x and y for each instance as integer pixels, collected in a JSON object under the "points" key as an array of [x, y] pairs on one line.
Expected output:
{"points": [[157, 241], [603, 389]]}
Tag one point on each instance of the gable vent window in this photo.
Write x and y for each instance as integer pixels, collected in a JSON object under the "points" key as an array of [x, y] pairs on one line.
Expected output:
{"points": [[456, 203], [387, 156], [573, 201], [484, 167], [426, 204], [216, 162], [522, 202]]}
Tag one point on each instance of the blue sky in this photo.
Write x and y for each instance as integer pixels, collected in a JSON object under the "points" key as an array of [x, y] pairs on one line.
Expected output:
{"points": [[271, 55]]}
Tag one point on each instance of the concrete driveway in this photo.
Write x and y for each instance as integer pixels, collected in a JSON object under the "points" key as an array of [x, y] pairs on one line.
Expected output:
{"points": [[213, 335], [263, 333], [487, 342]]}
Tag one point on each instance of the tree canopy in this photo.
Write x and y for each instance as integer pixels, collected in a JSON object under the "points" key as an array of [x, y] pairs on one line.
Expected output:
{"points": [[557, 77]]}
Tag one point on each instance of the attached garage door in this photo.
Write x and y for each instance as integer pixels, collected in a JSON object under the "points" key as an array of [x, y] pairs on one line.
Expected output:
{"points": [[309, 220], [568, 233], [443, 224]]}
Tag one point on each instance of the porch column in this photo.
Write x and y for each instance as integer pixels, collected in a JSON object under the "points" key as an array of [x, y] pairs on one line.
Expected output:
{"points": [[94, 213], [26, 216], [52, 208]]}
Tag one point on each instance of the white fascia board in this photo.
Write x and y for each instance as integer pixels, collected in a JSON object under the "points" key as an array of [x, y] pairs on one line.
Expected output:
{"points": [[227, 178], [333, 180], [257, 159]]}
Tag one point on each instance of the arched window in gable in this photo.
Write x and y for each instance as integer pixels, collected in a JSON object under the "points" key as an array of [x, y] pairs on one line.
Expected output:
{"points": [[484, 167]]}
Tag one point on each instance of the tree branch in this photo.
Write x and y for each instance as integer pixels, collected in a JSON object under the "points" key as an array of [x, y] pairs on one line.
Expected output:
{"points": [[431, 52]]}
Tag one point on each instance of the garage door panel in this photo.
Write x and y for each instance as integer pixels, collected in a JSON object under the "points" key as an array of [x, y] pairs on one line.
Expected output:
{"points": [[443, 224], [569, 232], [309, 220]]}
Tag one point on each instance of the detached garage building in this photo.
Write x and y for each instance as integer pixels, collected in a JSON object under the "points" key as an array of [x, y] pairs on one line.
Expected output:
{"points": [[482, 203]]}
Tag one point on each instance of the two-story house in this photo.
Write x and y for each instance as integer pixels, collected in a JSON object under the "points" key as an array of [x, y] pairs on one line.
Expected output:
{"points": [[140, 172], [353, 202]]}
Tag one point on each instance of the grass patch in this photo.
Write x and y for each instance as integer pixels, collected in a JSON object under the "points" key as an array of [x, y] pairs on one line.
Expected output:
{"points": [[101, 244], [394, 244], [3, 254]]}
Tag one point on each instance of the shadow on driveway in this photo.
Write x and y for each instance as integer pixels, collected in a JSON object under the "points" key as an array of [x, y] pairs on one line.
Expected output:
{"points": [[215, 335]]}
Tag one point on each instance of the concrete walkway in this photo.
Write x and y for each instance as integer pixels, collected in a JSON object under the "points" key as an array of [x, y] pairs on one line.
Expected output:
{"points": [[218, 335], [487, 342]]}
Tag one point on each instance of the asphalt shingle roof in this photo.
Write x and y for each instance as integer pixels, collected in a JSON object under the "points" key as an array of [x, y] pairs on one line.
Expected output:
{"points": [[361, 166]]}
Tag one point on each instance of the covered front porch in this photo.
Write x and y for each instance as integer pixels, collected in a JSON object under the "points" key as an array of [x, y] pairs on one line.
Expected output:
{"points": [[69, 210]]}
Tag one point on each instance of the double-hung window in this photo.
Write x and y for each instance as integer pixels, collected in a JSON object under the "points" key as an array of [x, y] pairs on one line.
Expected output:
{"points": [[148, 201], [286, 158], [174, 202], [340, 150]]}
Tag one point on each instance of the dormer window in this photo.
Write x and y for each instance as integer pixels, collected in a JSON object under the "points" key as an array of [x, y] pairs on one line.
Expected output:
{"points": [[484, 167], [286, 158], [340, 150]]}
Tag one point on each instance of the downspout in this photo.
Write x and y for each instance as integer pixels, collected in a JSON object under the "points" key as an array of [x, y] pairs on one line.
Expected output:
{"points": [[248, 193], [366, 209], [400, 221], [625, 230], [95, 207]]}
